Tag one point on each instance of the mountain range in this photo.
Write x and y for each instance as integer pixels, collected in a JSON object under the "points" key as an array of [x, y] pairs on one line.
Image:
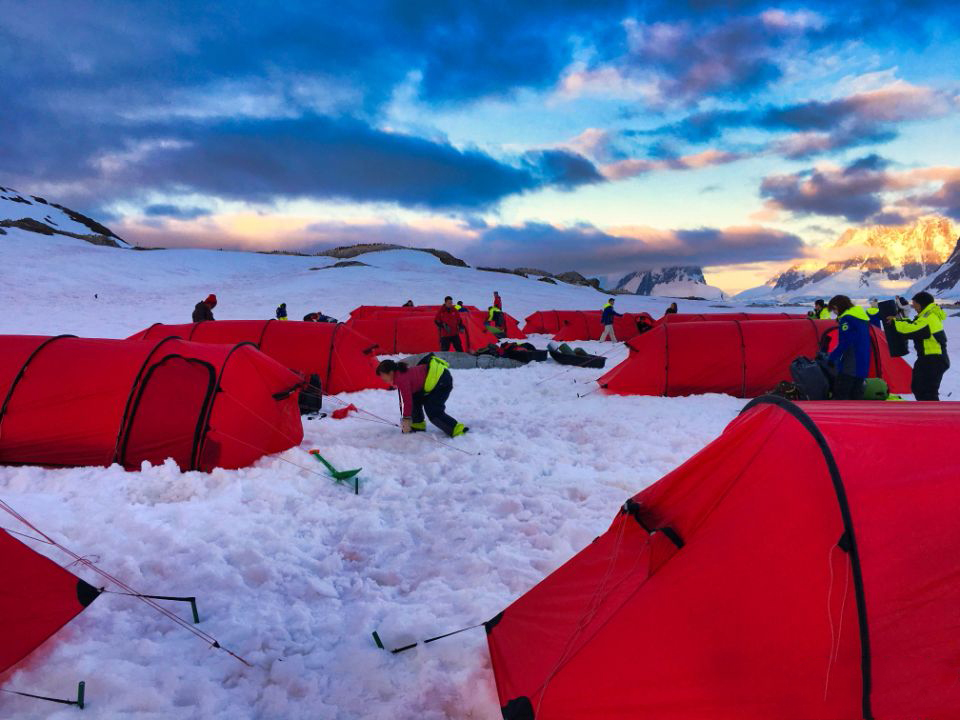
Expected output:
{"points": [[876, 260], [682, 281]]}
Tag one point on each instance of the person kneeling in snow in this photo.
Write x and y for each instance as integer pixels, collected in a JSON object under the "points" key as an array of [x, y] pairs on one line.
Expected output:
{"points": [[423, 388]]}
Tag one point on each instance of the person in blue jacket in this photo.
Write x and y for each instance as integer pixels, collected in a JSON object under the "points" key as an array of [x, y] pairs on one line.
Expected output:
{"points": [[606, 319], [873, 312], [851, 357]]}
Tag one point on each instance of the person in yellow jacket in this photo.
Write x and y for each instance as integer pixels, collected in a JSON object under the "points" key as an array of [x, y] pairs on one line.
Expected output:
{"points": [[423, 388], [820, 311], [930, 341]]}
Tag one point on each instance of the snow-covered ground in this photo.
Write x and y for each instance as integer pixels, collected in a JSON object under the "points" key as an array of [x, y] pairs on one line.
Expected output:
{"points": [[292, 571]]}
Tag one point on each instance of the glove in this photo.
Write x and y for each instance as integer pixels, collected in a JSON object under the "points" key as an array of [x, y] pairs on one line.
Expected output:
{"points": [[406, 426]]}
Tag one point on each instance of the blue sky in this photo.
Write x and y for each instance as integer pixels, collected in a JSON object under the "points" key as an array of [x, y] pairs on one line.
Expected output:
{"points": [[597, 136]]}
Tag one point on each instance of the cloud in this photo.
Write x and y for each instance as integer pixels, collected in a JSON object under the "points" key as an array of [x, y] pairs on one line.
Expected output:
{"points": [[852, 192], [633, 167], [817, 127], [591, 250], [562, 168], [175, 212], [867, 189], [582, 247], [261, 160], [687, 61]]}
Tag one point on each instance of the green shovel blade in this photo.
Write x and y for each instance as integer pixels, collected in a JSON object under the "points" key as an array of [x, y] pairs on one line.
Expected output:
{"points": [[338, 475]]}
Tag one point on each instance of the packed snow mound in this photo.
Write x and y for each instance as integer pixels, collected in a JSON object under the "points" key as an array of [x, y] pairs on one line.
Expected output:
{"points": [[877, 260], [679, 281], [348, 252], [37, 215]]}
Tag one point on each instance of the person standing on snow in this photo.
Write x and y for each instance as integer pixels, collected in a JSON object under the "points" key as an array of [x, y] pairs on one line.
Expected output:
{"points": [[203, 310], [449, 323], [672, 310], [873, 312], [930, 341], [606, 319], [282, 311], [423, 388], [497, 302], [851, 357], [820, 311]]}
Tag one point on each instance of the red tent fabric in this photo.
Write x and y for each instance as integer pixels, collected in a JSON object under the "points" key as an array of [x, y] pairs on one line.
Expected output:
{"points": [[345, 360], [367, 311], [706, 317], [38, 598], [800, 567], [586, 326], [569, 325], [70, 401], [417, 333], [370, 312], [549, 322], [743, 359]]}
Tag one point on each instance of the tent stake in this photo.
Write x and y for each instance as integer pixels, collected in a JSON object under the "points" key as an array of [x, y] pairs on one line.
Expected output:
{"points": [[79, 702]]}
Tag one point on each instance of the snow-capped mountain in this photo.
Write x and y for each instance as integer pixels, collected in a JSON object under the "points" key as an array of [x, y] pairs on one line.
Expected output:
{"points": [[679, 281], [945, 281], [877, 260], [37, 215]]}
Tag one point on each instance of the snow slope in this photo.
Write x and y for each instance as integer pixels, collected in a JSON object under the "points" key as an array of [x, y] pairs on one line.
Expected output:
{"points": [[51, 218], [291, 571]]}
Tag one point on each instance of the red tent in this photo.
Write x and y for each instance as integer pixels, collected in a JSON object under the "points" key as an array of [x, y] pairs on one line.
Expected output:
{"points": [[38, 598], [702, 317], [344, 360], [417, 333], [70, 401], [800, 567], [367, 311], [370, 312], [744, 359], [586, 326], [548, 322]]}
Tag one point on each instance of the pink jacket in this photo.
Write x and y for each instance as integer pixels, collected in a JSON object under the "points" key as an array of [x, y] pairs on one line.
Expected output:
{"points": [[407, 383]]}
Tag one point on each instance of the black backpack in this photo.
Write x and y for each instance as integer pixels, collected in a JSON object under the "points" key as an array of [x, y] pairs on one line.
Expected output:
{"points": [[810, 379], [311, 397]]}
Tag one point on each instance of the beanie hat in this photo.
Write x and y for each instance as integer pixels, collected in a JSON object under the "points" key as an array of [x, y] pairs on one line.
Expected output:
{"points": [[211, 300]]}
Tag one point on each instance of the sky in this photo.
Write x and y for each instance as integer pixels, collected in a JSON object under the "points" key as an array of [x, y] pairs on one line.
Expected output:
{"points": [[591, 135]]}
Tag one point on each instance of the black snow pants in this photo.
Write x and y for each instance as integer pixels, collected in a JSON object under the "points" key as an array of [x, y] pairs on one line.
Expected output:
{"points": [[446, 342], [434, 404], [847, 387], [928, 371]]}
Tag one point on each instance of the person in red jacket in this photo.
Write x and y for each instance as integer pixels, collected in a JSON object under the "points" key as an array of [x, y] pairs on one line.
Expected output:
{"points": [[423, 388], [450, 323], [497, 302]]}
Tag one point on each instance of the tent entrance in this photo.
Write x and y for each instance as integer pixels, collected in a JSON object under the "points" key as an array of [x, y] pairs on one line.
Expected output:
{"points": [[167, 416]]}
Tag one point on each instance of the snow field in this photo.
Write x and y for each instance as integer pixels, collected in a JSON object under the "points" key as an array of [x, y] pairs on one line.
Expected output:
{"points": [[292, 571]]}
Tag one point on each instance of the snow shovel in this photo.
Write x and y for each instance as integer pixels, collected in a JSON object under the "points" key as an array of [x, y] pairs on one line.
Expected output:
{"points": [[338, 475]]}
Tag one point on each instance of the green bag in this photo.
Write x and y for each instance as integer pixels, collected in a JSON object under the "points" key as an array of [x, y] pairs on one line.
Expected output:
{"points": [[875, 389]]}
